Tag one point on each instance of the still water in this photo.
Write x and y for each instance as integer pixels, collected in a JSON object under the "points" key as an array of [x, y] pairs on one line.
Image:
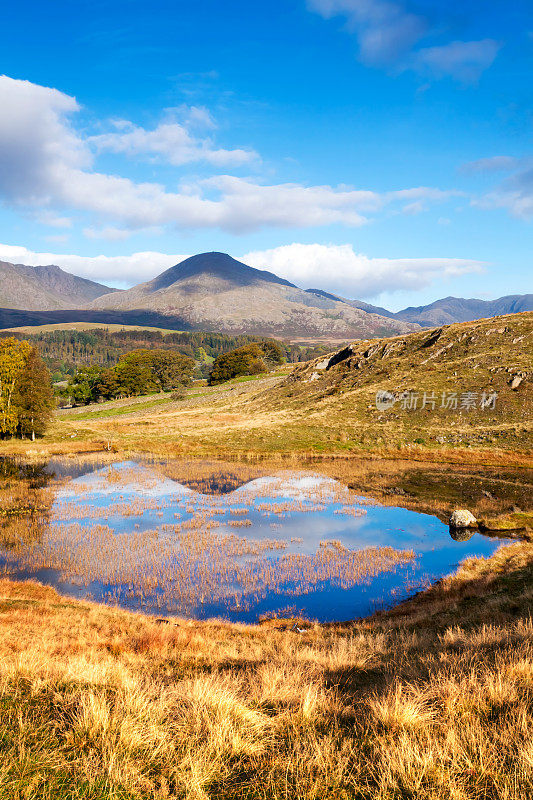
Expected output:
{"points": [[291, 543]]}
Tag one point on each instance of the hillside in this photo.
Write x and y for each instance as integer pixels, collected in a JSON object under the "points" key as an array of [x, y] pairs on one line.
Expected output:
{"points": [[102, 703], [44, 288], [467, 363], [213, 290]]}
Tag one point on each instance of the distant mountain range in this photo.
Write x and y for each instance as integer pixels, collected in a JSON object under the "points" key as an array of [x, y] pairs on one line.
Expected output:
{"points": [[213, 291], [46, 288], [445, 311]]}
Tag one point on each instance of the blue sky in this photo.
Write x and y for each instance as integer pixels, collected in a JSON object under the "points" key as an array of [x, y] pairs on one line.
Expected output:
{"points": [[377, 148]]}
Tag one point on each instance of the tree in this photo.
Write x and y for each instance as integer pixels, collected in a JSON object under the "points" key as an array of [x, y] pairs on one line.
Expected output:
{"points": [[108, 385], [134, 378], [272, 352], [82, 386], [13, 356], [242, 361], [34, 396], [167, 369]]}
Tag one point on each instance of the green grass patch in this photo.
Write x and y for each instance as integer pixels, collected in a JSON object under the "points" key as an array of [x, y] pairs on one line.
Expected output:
{"points": [[120, 410]]}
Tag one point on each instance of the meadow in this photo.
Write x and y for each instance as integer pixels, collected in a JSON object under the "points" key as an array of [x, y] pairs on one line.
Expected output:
{"points": [[431, 700]]}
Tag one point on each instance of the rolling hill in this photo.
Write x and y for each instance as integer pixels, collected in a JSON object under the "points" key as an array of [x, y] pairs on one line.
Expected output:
{"points": [[45, 288]]}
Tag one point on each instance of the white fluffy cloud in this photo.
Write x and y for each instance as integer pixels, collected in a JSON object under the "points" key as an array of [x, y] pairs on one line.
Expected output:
{"points": [[338, 268], [170, 141], [111, 270], [388, 33], [334, 268], [45, 164]]}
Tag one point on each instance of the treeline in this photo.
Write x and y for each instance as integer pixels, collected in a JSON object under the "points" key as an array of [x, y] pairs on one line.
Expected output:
{"points": [[26, 395], [138, 372], [64, 351]]}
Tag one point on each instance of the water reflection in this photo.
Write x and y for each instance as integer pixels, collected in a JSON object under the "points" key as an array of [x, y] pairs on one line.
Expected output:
{"points": [[216, 544]]}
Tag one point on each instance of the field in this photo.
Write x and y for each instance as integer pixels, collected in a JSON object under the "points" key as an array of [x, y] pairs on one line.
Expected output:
{"points": [[84, 326], [428, 701]]}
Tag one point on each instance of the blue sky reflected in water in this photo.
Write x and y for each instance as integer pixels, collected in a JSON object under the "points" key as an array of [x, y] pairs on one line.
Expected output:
{"points": [[121, 534]]}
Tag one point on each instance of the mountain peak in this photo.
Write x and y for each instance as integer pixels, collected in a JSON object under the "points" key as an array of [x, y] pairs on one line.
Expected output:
{"points": [[220, 265]]}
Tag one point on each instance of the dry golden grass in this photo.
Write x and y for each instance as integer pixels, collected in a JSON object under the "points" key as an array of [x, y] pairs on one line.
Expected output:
{"points": [[101, 703]]}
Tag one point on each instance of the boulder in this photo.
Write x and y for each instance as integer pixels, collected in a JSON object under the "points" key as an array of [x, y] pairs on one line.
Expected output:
{"points": [[516, 380], [462, 518]]}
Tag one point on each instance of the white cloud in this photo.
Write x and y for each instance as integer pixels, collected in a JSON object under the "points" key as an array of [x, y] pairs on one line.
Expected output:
{"points": [[388, 33], [515, 194], [171, 142], [53, 220], [385, 30], [492, 164], [335, 268], [465, 61], [109, 233], [46, 164], [59, 238], [339, 269], [123, 270]]}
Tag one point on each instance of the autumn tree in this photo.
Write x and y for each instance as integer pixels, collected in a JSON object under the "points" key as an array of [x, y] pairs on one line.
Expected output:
{"points": [[13, 356], [167, 369], [33, 397], [26, 398]]}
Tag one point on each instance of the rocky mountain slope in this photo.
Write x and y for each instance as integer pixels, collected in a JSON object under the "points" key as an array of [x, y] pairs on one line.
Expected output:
{"points": [[45, 288], [214, 291]]}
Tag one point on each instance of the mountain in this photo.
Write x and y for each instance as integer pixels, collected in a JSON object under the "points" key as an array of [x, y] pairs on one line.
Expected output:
{"points": [[445, 311], [44, 288], [213, 291], [457, 309], [354, 303]]}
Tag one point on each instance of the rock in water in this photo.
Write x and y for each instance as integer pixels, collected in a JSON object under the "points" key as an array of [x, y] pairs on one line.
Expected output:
{"points": [[462, 518]]}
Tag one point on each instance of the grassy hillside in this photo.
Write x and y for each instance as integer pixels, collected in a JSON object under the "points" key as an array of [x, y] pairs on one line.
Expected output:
{"points": [[438, 380], [101, 703], [82, 326]]}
